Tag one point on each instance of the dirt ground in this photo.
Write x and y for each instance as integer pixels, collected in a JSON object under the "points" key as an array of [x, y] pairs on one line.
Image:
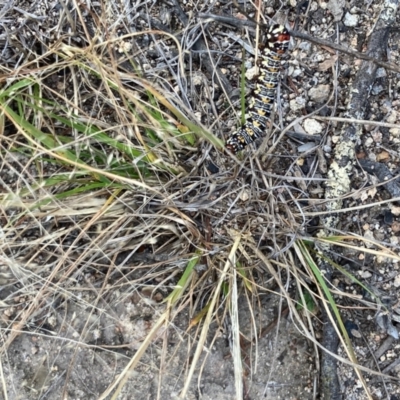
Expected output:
{"points": [[38, 366], [77, 342]]}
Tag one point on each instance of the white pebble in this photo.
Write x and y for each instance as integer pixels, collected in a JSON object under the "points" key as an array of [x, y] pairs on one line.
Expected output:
{"points": [[350, 20], [297, 104], [319, 93], [365, 274], [370, 238], [312, 127], [297, 72]]}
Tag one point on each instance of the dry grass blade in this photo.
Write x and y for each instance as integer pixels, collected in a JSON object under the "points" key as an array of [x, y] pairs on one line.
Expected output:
{"points": [[210, 313], [236, 349]]}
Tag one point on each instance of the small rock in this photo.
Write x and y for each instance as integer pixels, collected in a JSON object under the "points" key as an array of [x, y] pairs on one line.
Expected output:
{"points": [[244, 195], [377, 136], [298, 128], [306, 147], [365, 274], [251, 72], [312, 127], [305, 46], [335, 139], [383, 156], [395, 226], [370, 238], [350, 20], [376, 89], [396, 282], [336, 8], [392, 117], [297, 104], [225, 44], [125, 47], [381, 73], [296, 72], [395, 210], [394, 131], [369, 142], [197, 79], [319, 93]]}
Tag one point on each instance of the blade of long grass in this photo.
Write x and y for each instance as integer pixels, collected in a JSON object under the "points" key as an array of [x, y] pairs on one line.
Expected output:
{"points": [[324, 287], [193, 127], [236, 349], [176, 294], [203, 336], [45, 139], [16, 87]]}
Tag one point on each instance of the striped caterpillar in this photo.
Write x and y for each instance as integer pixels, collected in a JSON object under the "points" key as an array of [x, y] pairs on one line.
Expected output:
{"points": [[263, 96]]}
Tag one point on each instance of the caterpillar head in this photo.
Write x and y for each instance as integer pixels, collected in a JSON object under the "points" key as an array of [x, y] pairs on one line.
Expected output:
{"points": [[278, 39]]}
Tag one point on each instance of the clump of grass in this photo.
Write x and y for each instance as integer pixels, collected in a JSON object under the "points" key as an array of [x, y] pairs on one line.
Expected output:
{"points": [[98, 169]]}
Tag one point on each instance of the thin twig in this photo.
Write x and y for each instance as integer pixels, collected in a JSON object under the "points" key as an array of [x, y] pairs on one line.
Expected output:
{"points": [[301, 35]]}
